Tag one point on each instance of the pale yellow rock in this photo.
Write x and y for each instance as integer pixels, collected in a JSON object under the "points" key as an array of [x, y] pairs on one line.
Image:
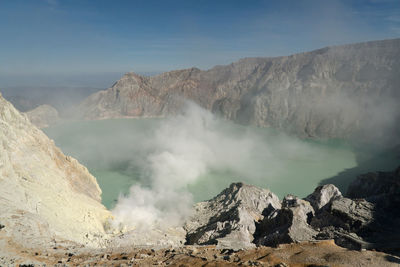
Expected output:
{"points": [[44, 194]]}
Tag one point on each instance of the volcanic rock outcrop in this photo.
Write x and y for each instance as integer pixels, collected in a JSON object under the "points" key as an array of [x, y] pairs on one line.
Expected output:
{"points": [[45, 196], [243, 215], [337, 91], [382, 189], [229, 219], [322, 195], [43, 116], [287, 225]]}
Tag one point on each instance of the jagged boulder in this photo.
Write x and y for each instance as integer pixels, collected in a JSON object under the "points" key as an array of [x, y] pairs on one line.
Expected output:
{"points": [[229, 219], [348, 214], [369, 218], [346, 221], [323, 195], [287, 225]]}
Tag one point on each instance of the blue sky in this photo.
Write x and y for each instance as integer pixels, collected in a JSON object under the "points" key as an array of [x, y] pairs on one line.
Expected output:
{"points": [[57, 38]]}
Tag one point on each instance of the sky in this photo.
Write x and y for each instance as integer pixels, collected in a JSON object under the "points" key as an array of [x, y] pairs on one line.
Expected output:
{"points": [[86, 42]]}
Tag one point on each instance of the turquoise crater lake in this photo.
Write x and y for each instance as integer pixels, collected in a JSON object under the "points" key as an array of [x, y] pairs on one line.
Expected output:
{"points": [[121, 152]]}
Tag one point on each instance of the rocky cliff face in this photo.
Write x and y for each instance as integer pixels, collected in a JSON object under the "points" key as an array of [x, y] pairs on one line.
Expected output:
{"points": [[244, 215], [332, 92], [229, 220], [45, 196], [43, 116]]}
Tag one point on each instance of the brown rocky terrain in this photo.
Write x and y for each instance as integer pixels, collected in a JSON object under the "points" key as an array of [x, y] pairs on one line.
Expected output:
{"points": [[321, 253], [332, 92]]}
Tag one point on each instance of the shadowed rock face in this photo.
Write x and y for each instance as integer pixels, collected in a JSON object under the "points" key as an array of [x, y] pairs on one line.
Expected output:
{"points": [[332, 92], [229, 219], [375, 184], [287, 225], [243, 215], [383, 190]]}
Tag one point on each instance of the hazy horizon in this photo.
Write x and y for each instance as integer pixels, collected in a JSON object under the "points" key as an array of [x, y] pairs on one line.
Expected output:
{"points": [[93, 43]]}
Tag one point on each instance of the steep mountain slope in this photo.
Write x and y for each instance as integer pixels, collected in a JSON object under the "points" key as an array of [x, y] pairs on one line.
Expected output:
{"points": [[45, 196], [331, 92]]}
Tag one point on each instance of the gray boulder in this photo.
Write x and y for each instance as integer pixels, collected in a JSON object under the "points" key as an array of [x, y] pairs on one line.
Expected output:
{"points": [[348, 214], [229, 219], [323, 195], [287, 225], [346, 221], [243, 216]]}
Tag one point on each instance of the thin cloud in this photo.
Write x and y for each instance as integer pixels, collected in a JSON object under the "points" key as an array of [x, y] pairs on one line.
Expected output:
{"points": [[396, 30], [382, 1], [393, 18], [52, 2]]}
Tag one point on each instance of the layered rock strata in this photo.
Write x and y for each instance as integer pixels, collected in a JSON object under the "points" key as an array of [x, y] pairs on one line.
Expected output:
{"points": [[332, 92]]}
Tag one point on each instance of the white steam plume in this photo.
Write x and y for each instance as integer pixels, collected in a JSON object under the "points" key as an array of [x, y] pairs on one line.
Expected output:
{"points": [[187, 146]]}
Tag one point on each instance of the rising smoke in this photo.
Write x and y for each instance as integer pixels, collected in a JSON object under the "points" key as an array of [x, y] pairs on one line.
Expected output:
{"points": [[177, 161], [187, 147]]}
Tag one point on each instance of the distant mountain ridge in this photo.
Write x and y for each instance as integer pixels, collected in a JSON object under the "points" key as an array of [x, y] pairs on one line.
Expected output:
{"points": [[26, 98], [333, 92], [43, 116]]}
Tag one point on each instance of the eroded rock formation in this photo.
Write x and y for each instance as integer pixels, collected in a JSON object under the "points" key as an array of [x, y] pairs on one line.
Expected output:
{"points": [[243, 215], [45, 196], [229, 219], [287, 225], [337, 91]]}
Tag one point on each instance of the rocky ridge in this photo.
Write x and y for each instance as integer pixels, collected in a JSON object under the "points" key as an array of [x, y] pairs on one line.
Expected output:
{"points": [[255, 216], [332, 92]]}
